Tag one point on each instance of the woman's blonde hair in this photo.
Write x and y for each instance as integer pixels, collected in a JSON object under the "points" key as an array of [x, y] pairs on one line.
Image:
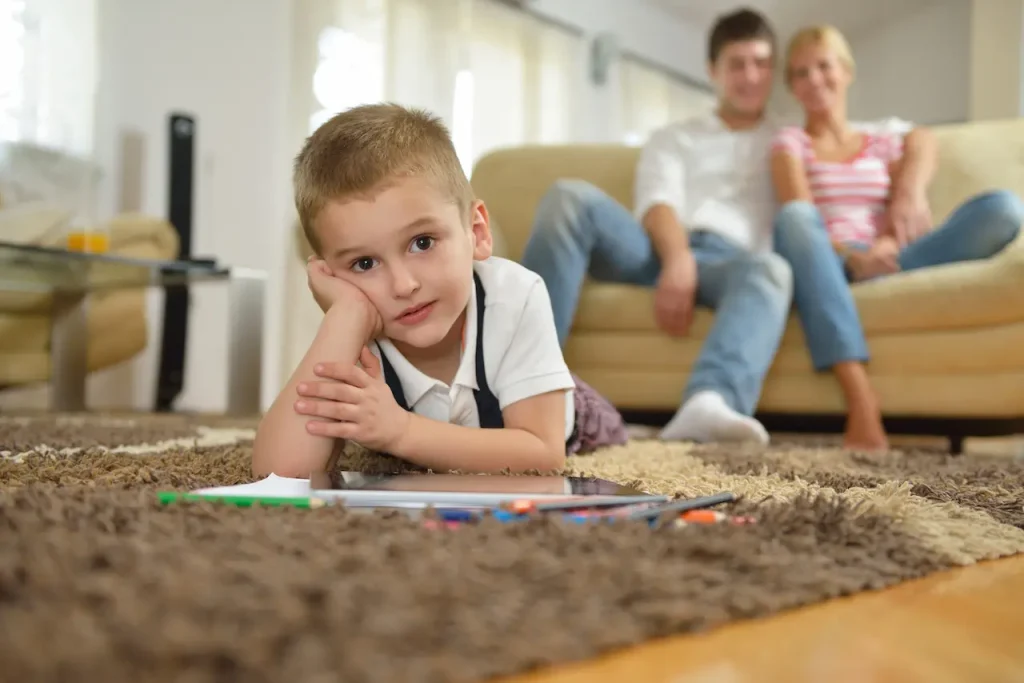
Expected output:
{"points": [[826, 35]]}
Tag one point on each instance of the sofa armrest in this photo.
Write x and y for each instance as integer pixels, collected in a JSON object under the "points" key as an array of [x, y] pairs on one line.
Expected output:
{"points": [[954, 296]]}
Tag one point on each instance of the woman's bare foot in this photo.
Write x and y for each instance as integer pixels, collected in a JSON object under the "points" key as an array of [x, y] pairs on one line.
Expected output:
{"points": [[865, 431], [864, 428]]}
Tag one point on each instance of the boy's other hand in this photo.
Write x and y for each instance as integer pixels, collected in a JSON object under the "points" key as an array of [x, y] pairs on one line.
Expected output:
{"points": [[329, 291], [353, 403]]}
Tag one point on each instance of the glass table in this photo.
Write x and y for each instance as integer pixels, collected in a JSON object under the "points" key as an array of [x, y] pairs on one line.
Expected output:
{"points": [[69, 276]]}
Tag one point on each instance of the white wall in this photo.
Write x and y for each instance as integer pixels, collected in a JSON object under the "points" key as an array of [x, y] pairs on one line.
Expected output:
{"points": [[225, 62], [996, 59], [917, 67]]}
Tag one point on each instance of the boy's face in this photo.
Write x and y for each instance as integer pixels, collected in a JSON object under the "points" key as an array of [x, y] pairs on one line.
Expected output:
{"points": [[742, 75], [410, 251]]}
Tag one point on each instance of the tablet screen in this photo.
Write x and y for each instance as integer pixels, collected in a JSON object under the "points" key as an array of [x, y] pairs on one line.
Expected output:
{"points": [[456, 486]]}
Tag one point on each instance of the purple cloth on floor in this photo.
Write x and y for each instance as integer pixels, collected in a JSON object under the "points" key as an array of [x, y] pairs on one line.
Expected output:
{"points": [[598, 423]]}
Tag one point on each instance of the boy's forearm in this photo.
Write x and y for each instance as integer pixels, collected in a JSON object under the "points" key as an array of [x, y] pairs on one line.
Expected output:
{"points": [[283, 446], [441, 446]]}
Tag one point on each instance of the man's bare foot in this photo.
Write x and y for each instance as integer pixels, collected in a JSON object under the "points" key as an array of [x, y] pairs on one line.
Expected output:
{"points": [[864, 431]]}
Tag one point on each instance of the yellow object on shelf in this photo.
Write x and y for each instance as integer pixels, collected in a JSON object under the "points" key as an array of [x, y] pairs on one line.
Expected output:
{"points": [[91, 242]]}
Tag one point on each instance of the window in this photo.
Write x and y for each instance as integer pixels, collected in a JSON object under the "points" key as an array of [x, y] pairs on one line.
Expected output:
{"points": [[652, 98], [48, 73], [496, 76], [527, 78], [12, 69], [47, 84], [349, 72]]}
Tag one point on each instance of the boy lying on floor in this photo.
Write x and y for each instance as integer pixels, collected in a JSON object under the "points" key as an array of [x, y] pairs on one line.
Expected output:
{"points": [[430, 349]]}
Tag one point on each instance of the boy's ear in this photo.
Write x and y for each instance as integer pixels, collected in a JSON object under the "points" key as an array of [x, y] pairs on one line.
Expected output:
{"points": [[480, 230]]}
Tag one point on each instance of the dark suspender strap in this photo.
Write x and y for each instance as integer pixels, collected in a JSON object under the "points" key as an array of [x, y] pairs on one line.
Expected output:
{"points": [[487, 406], [391, 378]]}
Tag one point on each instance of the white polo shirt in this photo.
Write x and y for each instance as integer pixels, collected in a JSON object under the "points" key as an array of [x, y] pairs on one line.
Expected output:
{"points": [[719, 179], [522, 357]]}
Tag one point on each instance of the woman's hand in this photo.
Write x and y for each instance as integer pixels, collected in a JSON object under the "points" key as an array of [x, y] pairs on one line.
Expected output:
{"points": [[881, 259], [909, 216]]}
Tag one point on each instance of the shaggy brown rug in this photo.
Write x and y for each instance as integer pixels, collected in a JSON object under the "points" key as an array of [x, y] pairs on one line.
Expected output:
{"points": [[99, 582]]}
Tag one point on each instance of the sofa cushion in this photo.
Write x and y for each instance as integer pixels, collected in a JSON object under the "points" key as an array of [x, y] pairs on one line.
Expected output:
{"points": [[956, 296]]}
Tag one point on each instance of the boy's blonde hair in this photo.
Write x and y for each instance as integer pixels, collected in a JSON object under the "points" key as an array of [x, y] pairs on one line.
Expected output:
{"points": [[826, 35], [360, 151]]}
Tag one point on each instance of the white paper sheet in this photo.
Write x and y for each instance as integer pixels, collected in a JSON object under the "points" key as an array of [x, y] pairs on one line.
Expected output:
{"points": [[271, 487]]}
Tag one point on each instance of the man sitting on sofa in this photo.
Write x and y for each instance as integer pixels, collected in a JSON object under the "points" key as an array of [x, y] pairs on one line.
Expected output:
{"points": [[701, 233]]}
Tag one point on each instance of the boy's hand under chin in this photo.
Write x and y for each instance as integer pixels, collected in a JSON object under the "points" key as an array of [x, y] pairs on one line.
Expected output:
{"points": [[330, 291], [356, 404]]}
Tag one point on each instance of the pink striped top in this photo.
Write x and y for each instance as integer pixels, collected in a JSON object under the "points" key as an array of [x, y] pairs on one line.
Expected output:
{"points": [[851, 195]]}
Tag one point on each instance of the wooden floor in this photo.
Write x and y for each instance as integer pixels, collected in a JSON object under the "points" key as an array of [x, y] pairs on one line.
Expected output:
{"points": [[962, 625]]}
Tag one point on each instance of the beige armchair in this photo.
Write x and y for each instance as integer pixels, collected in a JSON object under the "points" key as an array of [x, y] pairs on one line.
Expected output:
{"points": [[116, 319]]}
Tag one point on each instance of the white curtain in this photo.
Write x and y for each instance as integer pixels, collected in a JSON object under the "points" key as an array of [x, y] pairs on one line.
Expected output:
{"points": [[48, 61], [404, 51], [527, 81], [496, 76], [651, 98]]}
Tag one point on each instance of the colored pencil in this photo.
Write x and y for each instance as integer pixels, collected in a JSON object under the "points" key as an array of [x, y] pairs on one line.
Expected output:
{"points": [[681, 506], [167, 497], [584, 503]]}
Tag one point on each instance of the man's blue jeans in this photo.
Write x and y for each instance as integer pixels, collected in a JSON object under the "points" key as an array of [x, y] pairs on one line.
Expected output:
{"points": [[978, 229], [579, 230]]}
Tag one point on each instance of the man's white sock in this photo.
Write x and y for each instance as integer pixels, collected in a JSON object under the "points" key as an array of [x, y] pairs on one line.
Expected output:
{"points": [[706, 417]]}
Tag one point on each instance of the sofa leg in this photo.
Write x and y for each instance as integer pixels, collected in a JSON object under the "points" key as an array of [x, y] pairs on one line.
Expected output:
{"points": [[956, 444]]}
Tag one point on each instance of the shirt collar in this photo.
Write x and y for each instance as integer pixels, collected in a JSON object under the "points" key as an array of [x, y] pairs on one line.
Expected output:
{"points": [[415, 383], [714, 123]]}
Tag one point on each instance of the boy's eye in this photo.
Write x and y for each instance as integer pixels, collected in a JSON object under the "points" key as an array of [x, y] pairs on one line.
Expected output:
{"points": [[422, 243], [363, 264]]}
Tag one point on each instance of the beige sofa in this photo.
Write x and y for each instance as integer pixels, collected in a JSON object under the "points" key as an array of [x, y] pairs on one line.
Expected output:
{"points": [[946, 343]]}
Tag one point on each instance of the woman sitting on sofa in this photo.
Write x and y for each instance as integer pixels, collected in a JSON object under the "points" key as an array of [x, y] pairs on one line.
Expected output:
{"points": [[842, 220]]}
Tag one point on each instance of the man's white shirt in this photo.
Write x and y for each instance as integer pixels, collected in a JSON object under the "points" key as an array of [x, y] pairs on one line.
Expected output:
{"points": [[718, 179]]}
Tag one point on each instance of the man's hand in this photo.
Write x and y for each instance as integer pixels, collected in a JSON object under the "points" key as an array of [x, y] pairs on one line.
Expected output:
{"points": [[329, 291], [881, 259], [675, 294], [909, 216], [353, 403]]}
